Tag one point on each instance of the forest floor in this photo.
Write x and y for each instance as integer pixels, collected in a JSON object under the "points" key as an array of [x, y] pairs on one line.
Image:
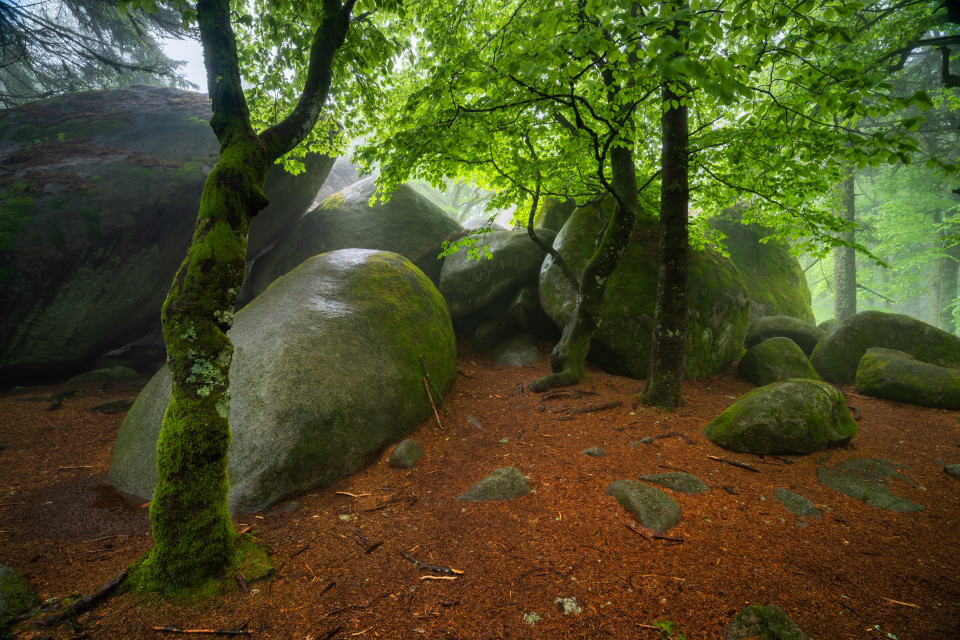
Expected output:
{"points": [[859, 572]]}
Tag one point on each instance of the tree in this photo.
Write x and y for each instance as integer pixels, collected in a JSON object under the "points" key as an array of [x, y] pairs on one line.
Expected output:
{"points": [[58, 46], [194, 538]]}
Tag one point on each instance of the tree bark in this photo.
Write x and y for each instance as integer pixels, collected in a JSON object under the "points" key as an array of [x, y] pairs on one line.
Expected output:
{"points": [[668, 345], [194, 540], [845, 257], [567, 361]]}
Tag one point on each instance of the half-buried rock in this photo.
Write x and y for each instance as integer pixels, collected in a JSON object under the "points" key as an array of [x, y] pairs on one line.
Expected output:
{"points": [[793, 416], [774, 360], [677, 481], [651, 507], [895, 375], [326, 373], [405, 454], [867, 480], [505, 483], [766, 622]]}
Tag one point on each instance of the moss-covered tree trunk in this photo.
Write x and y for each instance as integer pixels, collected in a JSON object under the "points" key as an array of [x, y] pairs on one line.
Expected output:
{"points": [[568, 359], [845, 257], [668, 346], [193, 535]]}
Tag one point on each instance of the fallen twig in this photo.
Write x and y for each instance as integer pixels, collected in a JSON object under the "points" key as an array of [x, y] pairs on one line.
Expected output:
{"points": [[574, 393], [906, 604], [735, 464], [464, 373], [352, 495], [658, 536], [438, 577], [373, 547], [82, 466], [219, 632], [442, 401], [430, 567], [430, 398], [730, 490], [597, 407], [355, 606], [85, 604]]}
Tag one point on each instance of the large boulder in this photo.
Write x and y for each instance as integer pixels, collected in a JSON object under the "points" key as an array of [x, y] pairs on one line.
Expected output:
{"points": [[408, 224], [718, 310], [793, 416], [326, 373], [774, 360], [895, 375], [839, 352], [514, 260], [805, 334], [775, 282], [99, 194]]}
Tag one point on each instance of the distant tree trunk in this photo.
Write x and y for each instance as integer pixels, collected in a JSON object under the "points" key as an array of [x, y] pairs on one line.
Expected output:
{"points": [[949, 269], [567, 361], [194, 539], [668, 346], [845, 258]]}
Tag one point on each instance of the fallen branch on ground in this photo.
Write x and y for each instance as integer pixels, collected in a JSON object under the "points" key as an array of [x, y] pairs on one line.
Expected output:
{"points": [[85, 604], [575, 393], [219, 632], [735, 464], [597, 407], [430, 567], [430, 398], [356, 606]]}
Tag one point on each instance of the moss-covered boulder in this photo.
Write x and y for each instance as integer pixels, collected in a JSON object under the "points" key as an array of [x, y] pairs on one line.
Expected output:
{"points": [[99, 193], [774, 360], [554, 213], [718, 308], [838, 355], [505, 483], [895, 375], [805, 334], [793, 416], [651, 507], [468, 285], [763, 622], [774, 280], [326, 373], [16, 594], [408, 224]]}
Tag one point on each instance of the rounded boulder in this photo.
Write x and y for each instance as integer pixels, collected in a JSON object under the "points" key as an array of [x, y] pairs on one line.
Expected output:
{"points": [[326, 373]]}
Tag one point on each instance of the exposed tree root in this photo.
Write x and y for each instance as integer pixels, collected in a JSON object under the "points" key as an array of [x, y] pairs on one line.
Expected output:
{"points": [[83, 605]]}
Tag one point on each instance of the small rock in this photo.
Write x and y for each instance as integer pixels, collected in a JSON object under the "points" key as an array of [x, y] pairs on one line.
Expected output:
{"points": [[16, 594], [405, 454], [593, 452], [681, 482], [651, 507], [952, 470], [505, 483], [796, 504], [768, 622]]}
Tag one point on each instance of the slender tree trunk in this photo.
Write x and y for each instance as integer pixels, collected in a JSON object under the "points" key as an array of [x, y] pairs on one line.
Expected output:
{"points": [[949, 268], [569, 355], [194, 540], [668, 345], [845, 258]]}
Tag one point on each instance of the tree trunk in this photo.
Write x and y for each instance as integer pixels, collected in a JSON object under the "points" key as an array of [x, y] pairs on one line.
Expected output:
{"points": [[194, 539], [569, 356], [668, 345], [949, 268], [845, 258]]}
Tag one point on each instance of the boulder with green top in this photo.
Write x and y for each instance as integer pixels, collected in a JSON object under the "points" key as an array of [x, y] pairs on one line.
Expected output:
{"points": [[895, 375], [793, 416], [326, 373], [651, 507], [16, 594], [469, 285], [763, 622], [408, 223], [774, 360], [774, 281], [718, 310], [838, 355], [804, 334], [505, 483], [677, 481], [98, 202]]}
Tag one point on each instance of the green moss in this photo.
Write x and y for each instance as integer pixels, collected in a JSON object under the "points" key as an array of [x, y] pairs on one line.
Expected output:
{"points": [[16, 205], [91, 220], [332, 202]]}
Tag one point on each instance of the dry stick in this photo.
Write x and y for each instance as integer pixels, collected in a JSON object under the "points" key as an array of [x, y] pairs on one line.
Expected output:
{"points": [[219, 632], [575, 393], [355, 606], [442, 401], [430, 398], [597, 407], [85, 604], [735, 464], [906, 604], [430, 567]]}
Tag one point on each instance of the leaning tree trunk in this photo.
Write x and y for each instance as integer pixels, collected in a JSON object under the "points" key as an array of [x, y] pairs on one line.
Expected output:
{"points": [[194, 539], [949, 268], [567, 361], [845, 257], [668, 345]]}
